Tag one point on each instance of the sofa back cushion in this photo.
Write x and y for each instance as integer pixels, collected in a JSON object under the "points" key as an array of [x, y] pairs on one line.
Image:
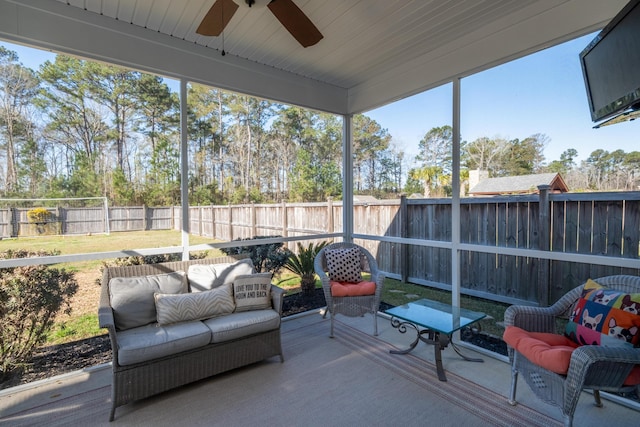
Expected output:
{"points": [[204, 277], [604, 316], [201, 277], [132, 299], [175, 308]]}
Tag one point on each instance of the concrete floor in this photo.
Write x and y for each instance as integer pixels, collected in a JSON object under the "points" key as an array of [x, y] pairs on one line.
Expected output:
{"points": [[493, 373]]}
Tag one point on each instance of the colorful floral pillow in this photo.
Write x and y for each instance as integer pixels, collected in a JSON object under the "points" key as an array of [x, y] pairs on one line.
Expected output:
{"points": [[604, 316], [344, 265]]}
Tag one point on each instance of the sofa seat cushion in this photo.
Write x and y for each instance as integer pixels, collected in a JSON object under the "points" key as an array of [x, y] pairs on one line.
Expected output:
{"points": [[241, 324], [340, 289], [152, 341]]}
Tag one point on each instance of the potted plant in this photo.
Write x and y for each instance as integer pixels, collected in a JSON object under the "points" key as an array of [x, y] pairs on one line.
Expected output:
{"points": [[302, 265]]}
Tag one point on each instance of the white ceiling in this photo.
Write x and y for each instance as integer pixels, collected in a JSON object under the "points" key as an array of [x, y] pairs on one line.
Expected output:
{"points": [[373, 51]]}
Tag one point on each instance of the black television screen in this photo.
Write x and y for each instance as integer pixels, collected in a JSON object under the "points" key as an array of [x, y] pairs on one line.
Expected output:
{"points": [[611, 66]]}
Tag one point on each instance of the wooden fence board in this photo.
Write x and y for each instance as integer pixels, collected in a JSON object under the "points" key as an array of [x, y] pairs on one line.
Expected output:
{"points": [[631, 237]]}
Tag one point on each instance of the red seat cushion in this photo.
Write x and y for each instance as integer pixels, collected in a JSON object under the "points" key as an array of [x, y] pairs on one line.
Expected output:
{"points": [[550, 351], [343, 289]]}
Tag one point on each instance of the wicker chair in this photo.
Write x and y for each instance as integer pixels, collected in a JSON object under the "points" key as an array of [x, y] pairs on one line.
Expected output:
{"points": [[591, 367], [351, 306]]}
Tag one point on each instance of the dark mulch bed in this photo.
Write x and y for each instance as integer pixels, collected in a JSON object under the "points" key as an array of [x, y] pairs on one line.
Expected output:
{"points": [[59, 359]]}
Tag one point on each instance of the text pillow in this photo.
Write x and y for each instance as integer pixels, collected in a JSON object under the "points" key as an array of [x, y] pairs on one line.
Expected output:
{"points": [[252, 291], [604, 316], [174, 308], [132, 297], [344, 265], [201, 277]]}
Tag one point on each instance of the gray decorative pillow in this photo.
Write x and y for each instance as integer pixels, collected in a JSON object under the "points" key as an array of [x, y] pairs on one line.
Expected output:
{"points": [[344, 265], [174, 308], [201, 277], [252, 292], [132, 297]]}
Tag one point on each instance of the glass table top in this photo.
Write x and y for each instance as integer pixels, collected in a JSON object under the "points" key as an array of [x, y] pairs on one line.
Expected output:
{"points": [[435, 315]]}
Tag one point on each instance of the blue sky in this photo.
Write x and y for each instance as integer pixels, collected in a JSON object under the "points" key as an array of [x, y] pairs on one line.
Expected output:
{"points": [[541, 93]]}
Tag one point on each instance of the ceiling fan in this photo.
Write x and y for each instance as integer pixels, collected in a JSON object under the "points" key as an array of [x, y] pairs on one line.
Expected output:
{"points": [[289, 15]]}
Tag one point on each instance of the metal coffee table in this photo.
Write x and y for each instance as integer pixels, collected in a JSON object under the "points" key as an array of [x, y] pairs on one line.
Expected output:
{"points": [[435, 323]]}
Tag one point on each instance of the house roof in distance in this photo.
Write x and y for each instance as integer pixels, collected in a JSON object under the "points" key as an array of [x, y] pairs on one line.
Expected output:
{"points": [[519, 184]]}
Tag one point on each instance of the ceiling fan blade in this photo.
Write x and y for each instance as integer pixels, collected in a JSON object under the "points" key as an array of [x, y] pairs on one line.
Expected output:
{"points": [[217, 18], [296, 22]]}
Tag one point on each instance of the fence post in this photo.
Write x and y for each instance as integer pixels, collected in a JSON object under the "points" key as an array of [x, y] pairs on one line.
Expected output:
{"points": [[58, 220], [404, 232], [285, 222], [213, 221], [14, 227], [230, 223], [254, 229], [330, 224], [145, 213], [544, 239]]}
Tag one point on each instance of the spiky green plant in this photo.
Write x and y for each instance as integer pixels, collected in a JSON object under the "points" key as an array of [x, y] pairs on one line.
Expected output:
{"points": [[302, 265]]}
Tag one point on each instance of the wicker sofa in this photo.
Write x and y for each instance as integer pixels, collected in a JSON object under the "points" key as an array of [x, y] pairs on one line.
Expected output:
{"points": [[153, 358]]}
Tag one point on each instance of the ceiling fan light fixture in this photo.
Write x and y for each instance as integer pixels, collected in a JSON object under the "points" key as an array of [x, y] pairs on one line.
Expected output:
{"points": [[286, 11], [256, 4]]}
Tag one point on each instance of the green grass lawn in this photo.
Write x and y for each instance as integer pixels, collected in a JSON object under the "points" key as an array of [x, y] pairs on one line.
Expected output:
{"points": [[68, 245]]}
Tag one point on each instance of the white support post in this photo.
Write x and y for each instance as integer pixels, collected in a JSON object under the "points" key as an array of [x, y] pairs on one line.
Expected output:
{"points": [[455, 202], [347, 178], [184, 171]]}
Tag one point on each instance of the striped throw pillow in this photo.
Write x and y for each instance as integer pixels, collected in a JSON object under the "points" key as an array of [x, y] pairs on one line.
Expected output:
{"points": [[174, 308]]}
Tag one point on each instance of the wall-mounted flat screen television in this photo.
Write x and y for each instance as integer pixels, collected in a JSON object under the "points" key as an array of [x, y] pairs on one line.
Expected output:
{"points": [[611, 68]]}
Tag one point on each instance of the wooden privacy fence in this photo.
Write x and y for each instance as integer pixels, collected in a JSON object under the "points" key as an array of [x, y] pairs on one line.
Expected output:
{"points": [[88, 220], [606, 224]]}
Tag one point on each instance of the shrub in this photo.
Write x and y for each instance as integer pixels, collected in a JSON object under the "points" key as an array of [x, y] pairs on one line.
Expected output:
{"points": [[30, 298], [39, 215], [302, 264], [269, 257]]}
